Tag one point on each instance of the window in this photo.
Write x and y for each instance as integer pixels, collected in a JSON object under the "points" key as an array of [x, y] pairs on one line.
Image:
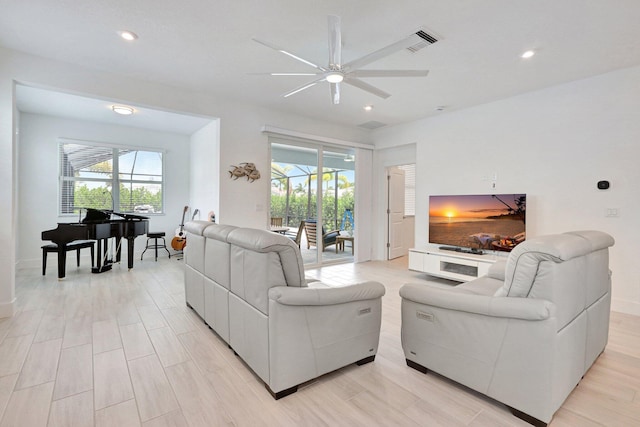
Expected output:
{"points": [[409, 189], [127, 180]]}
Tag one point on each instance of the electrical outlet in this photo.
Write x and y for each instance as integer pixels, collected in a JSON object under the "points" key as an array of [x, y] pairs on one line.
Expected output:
{"points": [[612, 212]]}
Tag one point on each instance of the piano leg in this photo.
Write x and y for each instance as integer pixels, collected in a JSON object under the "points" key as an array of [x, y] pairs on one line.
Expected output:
{"points": [[130, 251], [62, 261]]}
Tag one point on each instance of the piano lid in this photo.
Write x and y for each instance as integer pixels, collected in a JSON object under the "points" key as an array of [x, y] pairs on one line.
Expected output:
{"points": [[97, 215], [128, 216], [103, 215]]}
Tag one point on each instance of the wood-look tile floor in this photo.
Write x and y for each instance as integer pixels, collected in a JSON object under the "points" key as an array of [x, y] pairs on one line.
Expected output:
{"points": [[122, 349]]}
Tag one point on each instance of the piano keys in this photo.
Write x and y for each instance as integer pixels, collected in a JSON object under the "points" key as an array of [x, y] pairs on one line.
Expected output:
{"points": [[98, 225]]}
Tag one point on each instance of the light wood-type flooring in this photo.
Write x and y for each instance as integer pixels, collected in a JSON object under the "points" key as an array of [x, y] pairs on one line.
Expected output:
{"points": [[122, 349]]}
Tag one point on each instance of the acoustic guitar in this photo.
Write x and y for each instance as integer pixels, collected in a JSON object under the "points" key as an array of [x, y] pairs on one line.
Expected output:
{"points": [[180, 240]]}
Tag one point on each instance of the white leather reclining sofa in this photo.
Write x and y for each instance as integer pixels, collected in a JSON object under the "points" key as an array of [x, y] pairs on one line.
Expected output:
{"points": [[249, 286], [526, 333]]}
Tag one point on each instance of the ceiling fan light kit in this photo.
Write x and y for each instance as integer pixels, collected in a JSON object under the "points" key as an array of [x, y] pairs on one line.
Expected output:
{"points": [[351, 73], [335, 77]]}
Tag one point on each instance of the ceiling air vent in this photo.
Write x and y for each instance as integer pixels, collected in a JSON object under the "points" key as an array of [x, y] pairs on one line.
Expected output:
{"points": [[372, 125], [427, 39]]}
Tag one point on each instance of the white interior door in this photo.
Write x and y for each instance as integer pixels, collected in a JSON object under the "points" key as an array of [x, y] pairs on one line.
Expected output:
{"points": [[395, 212]]}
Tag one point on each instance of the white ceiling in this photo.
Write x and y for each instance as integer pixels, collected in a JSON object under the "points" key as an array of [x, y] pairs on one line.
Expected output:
{"points": [[207, 46], [50, 103]]}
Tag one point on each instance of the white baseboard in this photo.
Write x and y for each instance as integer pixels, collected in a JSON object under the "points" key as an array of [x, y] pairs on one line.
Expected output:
{"points": [[7, 309], [625, 306], [34, 263]]}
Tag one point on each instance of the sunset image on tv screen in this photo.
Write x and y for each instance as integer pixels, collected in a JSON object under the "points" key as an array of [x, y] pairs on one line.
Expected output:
{"points": [[492, 222]]}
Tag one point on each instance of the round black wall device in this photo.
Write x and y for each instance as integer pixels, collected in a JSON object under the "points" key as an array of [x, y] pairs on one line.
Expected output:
{"points": [[603, 185]]}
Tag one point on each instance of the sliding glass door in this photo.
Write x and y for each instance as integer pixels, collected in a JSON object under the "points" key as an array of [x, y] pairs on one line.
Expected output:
{"points": [[337, 188], [312, 196]]}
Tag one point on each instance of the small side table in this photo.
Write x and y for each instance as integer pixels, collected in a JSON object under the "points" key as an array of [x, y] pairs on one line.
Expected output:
{"points": [[340, 242]]}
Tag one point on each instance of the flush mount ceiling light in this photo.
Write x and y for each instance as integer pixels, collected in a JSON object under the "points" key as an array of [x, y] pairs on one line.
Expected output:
{"points": [[123, 110], [368, 107], [528, 54], [128, 35], [335, 77]]}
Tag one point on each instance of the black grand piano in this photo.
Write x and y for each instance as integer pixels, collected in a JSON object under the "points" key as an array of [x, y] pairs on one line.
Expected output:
{"points": [[98, 225]]}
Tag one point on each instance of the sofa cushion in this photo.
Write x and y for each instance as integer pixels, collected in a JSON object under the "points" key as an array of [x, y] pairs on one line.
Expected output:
{"points": [[524, 261], [331, 237], [263, 241], [497, 270], [217, 252], [196, 227]]}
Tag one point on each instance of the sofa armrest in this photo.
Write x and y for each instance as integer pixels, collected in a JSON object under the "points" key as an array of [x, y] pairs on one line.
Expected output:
{"points": [[515, 308], [326, 295]]}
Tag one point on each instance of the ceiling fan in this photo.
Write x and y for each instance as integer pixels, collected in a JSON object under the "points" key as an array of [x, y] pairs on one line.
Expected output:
{"points": [[350, 73]]}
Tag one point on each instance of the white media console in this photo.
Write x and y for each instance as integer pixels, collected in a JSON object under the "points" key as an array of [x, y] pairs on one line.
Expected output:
{"points": [[450, 264]]}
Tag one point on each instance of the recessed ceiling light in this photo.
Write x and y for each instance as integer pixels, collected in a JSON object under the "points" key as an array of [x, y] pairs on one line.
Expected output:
{"points": [[128, 35], [528, 54], [368, 107], [121, 109]]}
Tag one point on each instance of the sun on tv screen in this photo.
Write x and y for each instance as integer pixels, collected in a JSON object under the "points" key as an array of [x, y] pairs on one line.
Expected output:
{"points": [[480, 222]]}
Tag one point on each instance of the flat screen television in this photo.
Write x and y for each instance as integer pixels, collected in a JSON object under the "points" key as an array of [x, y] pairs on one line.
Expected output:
{"points": [[478, 222]]}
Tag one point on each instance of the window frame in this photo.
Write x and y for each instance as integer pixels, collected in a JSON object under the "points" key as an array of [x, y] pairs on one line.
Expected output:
{"points": [[115, 181]]}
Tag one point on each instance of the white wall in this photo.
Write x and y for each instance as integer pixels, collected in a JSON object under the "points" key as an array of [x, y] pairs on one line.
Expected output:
{"points": [[38, 176], [408, 233], [364, 201], [241, 139], [204, 170], [553, 144]]}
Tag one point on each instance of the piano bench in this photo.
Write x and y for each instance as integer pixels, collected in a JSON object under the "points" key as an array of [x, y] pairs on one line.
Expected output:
{"points": [[155, 245], [76, 245]]}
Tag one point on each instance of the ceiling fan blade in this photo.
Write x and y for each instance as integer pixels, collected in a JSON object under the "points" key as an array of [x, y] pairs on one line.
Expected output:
{"points": [[294, 56], [335, 93], [381, 53], [366, 87], [335, 42], [303, 87], [283, 74], [389, 73]]}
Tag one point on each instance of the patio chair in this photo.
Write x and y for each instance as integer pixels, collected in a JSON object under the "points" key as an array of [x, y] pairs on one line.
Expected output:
{"points": [[328, 238], [297, 238]]}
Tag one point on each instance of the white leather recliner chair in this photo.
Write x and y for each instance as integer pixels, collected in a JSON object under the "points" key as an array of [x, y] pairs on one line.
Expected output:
{"points": [[526, 333], [249, 286]]}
